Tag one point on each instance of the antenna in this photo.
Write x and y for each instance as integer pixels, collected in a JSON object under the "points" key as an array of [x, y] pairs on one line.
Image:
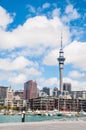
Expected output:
{"points": [[61, 40]]}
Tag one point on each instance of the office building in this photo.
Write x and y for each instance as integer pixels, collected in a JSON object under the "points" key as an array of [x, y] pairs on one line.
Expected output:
{"points": [[46, 90], [67, 87], [3, 92], [30, 90]]}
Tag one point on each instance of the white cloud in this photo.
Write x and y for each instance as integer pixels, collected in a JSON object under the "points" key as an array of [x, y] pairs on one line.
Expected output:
{"points": [[55, 12], [75, 54], [70, 14], [19, 70], [51, 82], [51, 58], [5, 18], [76, 75], [17, 64], [4, 75], [30, 52], [31, 9], [46, 5], [41, 31], [32, 72], [35, 31], [17, 80]]}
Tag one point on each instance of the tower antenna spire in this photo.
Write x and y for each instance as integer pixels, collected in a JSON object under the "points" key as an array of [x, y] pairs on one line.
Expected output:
{"points": [[61, 40]]}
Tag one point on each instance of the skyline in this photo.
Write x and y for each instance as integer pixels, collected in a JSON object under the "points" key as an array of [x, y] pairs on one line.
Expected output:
{"points": [[30, 38]]}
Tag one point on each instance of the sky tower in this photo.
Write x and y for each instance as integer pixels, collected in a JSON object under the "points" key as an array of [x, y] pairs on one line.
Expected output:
{"points": [[61, 60]]}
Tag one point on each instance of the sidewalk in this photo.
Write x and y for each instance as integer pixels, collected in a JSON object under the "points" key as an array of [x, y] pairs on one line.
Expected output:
{"points": [[48, 125]]}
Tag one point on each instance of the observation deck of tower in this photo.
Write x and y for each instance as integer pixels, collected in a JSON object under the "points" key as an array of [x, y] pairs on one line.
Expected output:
{"points": [[61, 60]]}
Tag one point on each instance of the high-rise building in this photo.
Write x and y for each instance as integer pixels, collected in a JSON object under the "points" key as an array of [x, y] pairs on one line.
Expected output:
{"points": [[67, 87], [30, 90], [61, 60], [46, 90], [3, 92]]}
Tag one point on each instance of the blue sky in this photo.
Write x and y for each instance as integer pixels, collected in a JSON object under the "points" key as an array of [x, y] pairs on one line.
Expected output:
{"points": [[30, 37]]}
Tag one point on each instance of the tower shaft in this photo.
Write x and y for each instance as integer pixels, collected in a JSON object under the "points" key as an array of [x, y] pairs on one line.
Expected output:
{"points": [[61, 60], [61, 79]]}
